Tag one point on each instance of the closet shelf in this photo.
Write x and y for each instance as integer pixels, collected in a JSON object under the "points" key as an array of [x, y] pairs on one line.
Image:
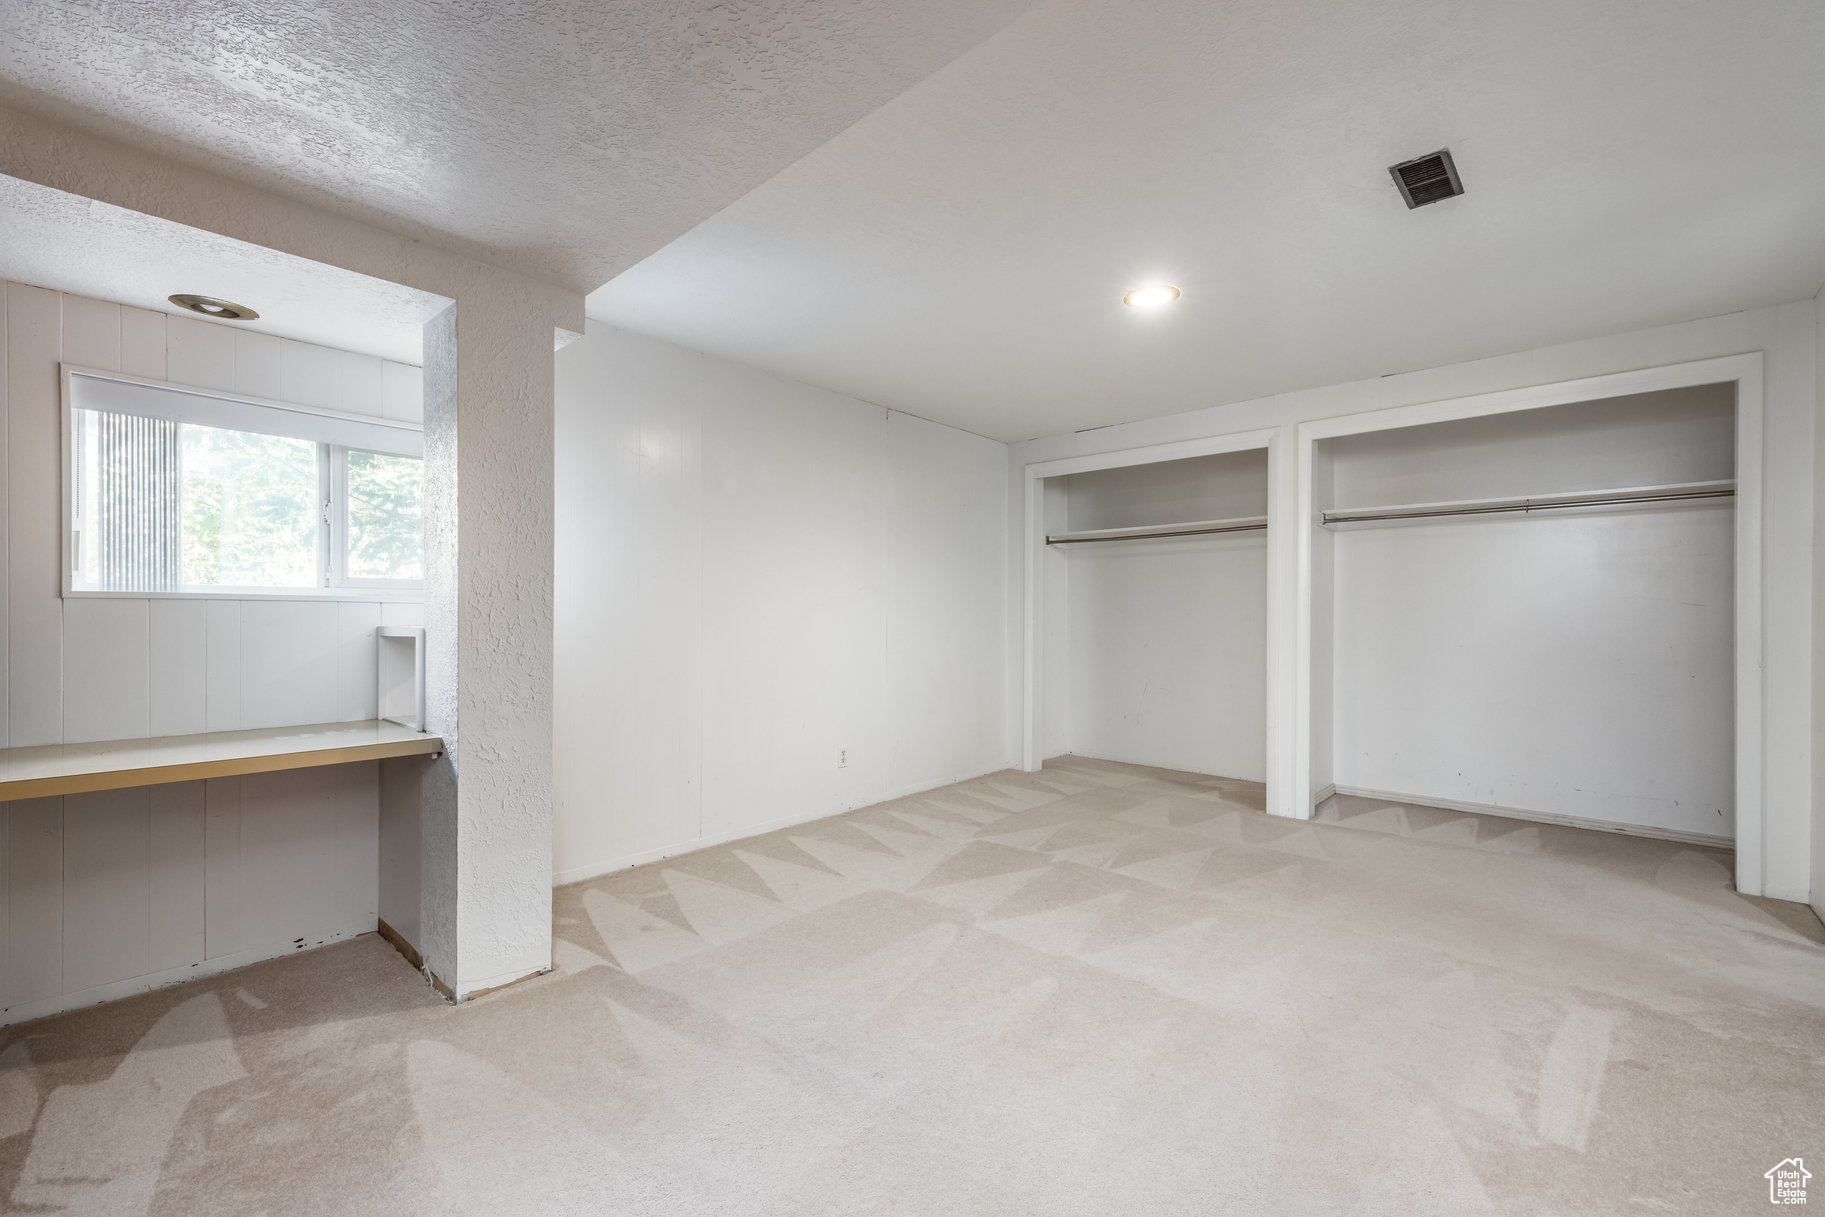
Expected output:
{"points": [[30, 773], [1144, 531], [1621, 497]]}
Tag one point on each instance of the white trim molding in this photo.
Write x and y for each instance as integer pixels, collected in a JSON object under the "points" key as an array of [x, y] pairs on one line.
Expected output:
{"points": [[1704, 839], [595, 870]]}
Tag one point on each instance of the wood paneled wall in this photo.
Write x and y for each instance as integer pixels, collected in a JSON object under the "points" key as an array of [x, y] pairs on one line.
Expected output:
{"points": [[106, 894]]}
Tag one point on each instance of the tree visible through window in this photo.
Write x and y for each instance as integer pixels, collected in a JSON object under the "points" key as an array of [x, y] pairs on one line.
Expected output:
{"points": [[385, 517], [250, 515]]}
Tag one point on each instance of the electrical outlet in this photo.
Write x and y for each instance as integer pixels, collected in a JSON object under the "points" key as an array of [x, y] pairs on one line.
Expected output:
{"points": [[842, 759]]}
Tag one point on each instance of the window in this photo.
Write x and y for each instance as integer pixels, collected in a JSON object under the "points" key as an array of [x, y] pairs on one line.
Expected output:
{"points": [[174, 490], [382, 522]]}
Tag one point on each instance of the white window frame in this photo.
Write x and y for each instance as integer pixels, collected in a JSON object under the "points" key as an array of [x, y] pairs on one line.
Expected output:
{"points": [[332, 507]]}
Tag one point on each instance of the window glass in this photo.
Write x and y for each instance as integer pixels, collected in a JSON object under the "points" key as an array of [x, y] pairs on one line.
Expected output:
{"points": [[385, 516], [250, 514], [173, 503]]}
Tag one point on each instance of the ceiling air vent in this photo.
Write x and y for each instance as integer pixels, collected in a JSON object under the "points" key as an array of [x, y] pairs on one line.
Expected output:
{"points": [[1427, 179]]}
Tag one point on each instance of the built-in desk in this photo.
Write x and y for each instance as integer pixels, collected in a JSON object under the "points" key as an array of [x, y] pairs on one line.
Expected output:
{"points": [[30, 773]]}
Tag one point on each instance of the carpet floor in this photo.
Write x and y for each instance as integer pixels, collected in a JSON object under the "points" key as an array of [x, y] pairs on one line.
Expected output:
{"points": [[1099, 990]]}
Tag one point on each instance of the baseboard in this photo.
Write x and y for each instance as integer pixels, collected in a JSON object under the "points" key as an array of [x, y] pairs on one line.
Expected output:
{"points": [[491, 985], [595, 870], [133, 986], [507, 982], [906, 792], [1710, 840], [1323, 792], [1122, 760], [402, 946]]}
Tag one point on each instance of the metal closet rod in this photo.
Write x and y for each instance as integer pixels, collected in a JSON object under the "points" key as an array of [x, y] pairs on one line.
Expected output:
{"points": [[1418, 511], [1595, 498], [1247, 524]]}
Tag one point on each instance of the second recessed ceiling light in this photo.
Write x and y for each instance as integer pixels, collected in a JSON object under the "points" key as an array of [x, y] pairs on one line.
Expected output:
{"points": [[1152, 296]]}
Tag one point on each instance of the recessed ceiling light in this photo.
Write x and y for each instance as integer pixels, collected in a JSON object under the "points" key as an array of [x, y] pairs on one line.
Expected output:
{"points": [[209, 306], [1151, 296]]}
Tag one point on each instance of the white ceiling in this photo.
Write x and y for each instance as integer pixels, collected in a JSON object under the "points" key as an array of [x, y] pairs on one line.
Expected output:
{"points": [[566, 139], [73, 244], [961, 252]]}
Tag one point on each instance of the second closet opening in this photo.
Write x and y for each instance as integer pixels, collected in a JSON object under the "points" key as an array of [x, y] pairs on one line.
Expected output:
{"points": [[1155, 625], [1532, 614]]}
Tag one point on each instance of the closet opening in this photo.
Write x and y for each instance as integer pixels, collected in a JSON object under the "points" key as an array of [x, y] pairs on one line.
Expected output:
{"points": [[1155, 616], [1533, 614]]}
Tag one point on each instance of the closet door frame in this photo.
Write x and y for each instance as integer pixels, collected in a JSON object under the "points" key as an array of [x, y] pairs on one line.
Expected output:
{"points": [[1745, 371], [1277, 442]]}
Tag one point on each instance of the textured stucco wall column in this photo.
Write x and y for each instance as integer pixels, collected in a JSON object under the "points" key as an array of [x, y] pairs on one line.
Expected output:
{"points": [[486, 807]]}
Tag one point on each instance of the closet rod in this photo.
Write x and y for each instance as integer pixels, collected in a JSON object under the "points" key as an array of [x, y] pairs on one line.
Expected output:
{"points": [[1193, 529], [1595, 498]]}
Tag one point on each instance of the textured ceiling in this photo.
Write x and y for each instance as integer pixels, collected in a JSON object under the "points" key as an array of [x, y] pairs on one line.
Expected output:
{"points": [[961, 253], [566, 139], [72, 244]]}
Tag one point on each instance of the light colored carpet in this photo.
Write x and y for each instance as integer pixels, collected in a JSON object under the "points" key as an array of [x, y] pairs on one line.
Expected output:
{"points": [[1100, 990]]}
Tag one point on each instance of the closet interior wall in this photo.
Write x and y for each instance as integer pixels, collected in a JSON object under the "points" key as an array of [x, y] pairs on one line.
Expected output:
{"points": [[1563, 663], [1157, 647]]}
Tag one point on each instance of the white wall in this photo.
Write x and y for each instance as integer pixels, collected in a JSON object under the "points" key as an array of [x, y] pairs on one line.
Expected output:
{"points": [[1818, 609], [1055, 651], [1645, 439], [1321, 721], [257, 862], [1787, 336], [1220, 487], [755, 576], [1168, 654], [1573, 665], [1167, 638], [1576, 664]]}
